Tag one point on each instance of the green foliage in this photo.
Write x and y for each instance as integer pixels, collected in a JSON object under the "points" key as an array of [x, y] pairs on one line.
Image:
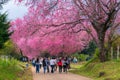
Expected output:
{"points": [[10, 50], [12, 69], [4, 26], [116, 42], [83, 57], [96, 55], [80, 57], [90, 49], [114, 45], [9, 69], [95, 58], [110, 68]]}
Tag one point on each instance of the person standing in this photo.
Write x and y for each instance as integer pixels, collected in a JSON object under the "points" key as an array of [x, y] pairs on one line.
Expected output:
{"points": [[52, 64], [37, 64], [75, 60]]}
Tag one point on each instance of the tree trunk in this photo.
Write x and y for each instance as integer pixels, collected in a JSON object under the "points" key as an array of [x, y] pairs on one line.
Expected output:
{"points": [[118, 48], [102, 50], [102, 54], [109, 50], [111, 53], [21, 52]]}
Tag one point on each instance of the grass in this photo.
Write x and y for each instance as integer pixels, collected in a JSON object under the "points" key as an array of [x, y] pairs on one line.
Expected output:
{"points": [[26, 75], [14, 70], [111, 70], [77, 65]]}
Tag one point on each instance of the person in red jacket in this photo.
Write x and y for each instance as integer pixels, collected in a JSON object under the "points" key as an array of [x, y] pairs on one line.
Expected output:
{"points": [[60, 65]]}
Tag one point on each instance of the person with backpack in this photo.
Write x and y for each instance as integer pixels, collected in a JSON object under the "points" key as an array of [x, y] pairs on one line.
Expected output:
{"points": [[60, 65]]}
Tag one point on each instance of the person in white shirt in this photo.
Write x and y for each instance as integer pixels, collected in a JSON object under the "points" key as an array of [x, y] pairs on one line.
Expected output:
{"points": [[52, 64], [40, 61]]}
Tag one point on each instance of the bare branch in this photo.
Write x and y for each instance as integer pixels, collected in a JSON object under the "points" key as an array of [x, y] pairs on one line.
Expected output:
{"points": [[53, 5]]}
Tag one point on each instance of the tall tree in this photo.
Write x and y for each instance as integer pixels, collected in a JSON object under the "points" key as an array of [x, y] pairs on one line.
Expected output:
{"points": [[100, 15], [4, 26]]}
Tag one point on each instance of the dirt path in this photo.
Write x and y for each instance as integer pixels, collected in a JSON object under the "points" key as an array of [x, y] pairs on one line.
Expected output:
{"points": [[56, 76]]}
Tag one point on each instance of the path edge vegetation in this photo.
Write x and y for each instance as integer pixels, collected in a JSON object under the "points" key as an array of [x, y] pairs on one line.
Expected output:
{"points": [[12, 69], [96, 70]]}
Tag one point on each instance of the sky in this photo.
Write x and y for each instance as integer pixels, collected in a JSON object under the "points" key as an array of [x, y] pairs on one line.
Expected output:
{"points": [[14, 11]]}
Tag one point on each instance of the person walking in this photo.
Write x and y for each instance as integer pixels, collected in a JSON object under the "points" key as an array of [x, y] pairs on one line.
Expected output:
{"points": [[55, 67], [69, 62], [33, 62], [40, 62], [65, 65], [48, 64], [60, 65], [52, 64], [37, 64], [44, 65]]}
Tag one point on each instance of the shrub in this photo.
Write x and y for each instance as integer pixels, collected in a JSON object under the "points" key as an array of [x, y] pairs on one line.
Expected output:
{"points": [[95, 57]]}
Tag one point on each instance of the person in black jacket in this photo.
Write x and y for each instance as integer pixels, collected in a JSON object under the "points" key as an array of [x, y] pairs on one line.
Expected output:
{"points": [[44, 65]]}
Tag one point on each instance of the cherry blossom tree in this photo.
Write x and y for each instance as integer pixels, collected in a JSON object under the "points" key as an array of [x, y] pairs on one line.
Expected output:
{"points": [[54, 43], [96, 17], [103, 15]]}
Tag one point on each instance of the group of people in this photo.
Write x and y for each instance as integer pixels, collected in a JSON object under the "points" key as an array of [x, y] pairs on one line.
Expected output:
{"points": [[51, 64]]}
